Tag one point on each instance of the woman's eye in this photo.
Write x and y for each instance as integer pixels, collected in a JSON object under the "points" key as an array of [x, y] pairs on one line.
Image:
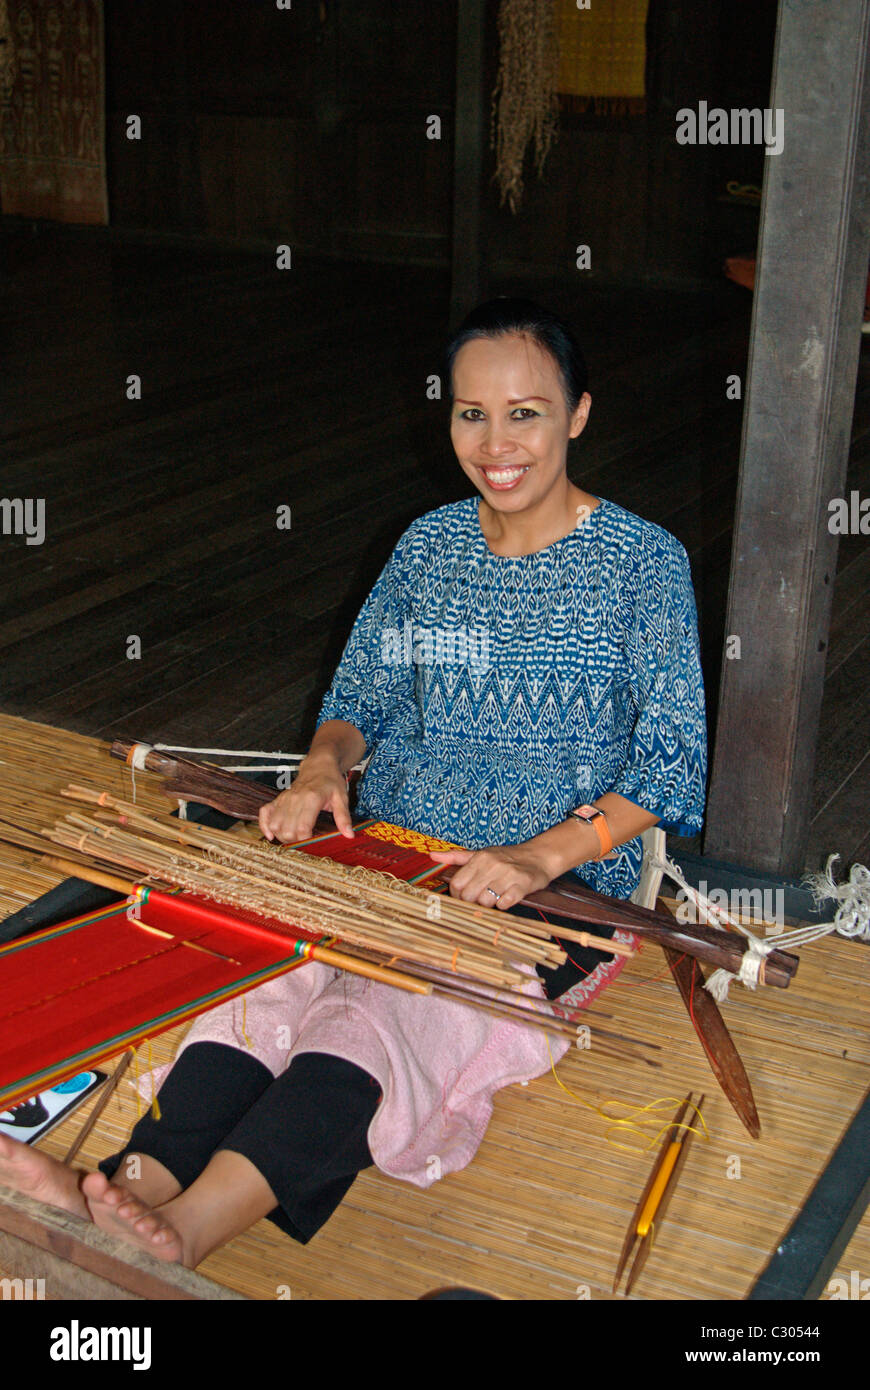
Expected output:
{"points": [[523, 412]]}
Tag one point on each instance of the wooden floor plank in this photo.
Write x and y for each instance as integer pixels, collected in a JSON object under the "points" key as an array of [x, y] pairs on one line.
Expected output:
{"points": [[310, 390]]}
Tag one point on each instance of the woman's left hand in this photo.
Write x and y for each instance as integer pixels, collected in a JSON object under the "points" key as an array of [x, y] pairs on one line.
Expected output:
{"points": [[498, 877]]}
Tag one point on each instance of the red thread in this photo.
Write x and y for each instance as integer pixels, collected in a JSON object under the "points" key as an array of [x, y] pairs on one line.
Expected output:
{"points": [[576, 964]]}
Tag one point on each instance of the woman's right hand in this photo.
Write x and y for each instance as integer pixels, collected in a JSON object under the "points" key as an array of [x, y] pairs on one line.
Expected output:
{"points": [[319, 785]]}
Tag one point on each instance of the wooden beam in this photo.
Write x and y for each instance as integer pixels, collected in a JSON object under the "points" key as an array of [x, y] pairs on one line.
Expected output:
{"points": [[77, 1260], [468, 143], [807, 1256], [812, 269]]}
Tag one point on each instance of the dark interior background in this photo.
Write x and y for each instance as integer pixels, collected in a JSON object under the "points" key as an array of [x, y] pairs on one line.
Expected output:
{"points": [[307, 126], [307, 388]]}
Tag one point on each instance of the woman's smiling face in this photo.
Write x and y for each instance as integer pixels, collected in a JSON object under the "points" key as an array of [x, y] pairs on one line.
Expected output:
{"points": [[510, 423]]}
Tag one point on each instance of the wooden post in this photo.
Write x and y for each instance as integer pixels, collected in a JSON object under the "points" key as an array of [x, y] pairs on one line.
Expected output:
{"points": [[812, 269], [468, 142]]}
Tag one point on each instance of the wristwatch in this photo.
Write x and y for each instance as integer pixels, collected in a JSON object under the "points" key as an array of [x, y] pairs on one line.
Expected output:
{"points": [[594, 816]]}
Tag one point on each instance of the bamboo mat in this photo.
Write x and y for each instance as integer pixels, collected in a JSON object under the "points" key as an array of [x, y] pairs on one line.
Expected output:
{"points": [[542, 1210]]}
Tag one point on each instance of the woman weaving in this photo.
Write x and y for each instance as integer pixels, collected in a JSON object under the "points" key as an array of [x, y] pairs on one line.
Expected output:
{"points": [[573, 722]]}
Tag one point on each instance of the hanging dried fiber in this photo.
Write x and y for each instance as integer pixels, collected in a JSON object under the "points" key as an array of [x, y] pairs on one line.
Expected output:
{"points": [[525, 107]]}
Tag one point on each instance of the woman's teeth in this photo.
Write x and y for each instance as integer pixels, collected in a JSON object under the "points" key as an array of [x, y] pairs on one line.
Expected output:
{"points": [[503, 475]]}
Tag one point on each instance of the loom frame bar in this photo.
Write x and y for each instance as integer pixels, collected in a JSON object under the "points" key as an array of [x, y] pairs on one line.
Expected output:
{"points": [[810, 1251]]}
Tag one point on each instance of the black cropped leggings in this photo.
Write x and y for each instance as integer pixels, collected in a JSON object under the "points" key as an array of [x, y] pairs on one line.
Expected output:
{"points": [[305, 1130]]}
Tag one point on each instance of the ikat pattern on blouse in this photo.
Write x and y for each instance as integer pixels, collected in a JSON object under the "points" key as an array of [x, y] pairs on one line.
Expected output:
{"points": [[495, 694]]}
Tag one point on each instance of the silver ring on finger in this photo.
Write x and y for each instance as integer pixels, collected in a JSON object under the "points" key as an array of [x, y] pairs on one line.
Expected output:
{"points": [[494, 893]]}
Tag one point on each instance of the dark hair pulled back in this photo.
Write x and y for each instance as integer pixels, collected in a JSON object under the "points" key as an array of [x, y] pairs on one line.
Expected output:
{"points": [[499, 317]]}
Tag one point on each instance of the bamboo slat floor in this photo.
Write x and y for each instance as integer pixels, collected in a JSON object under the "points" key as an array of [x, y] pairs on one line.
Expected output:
{"points": [[525, 1220]]}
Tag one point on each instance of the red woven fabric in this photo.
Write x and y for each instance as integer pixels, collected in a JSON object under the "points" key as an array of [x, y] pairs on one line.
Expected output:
{"points": [[83, 991]]}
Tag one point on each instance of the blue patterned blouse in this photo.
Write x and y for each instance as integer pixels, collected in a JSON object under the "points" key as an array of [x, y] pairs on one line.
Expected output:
{"points": [[495, 693]]}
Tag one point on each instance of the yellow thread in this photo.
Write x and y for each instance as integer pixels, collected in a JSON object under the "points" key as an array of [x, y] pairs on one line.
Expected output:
{"points": [[155, 1104], [136, 1082], [630, 1123], [750, 191], [244, 1021]]}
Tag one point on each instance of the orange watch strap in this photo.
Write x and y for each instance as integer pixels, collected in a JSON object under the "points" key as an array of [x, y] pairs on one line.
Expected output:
{"points": [[599, 825]]}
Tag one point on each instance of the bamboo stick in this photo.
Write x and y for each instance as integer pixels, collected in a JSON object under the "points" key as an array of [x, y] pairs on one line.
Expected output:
{"points": [[85, 871], [415, 982], [121, 847], [339, 959], [108, 1091], [179, 832]]}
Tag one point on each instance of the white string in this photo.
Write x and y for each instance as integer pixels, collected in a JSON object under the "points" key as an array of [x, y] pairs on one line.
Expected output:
{"points": [[852, 919], [227, 752], [136, 759], [284, 765], [138, 753], [262, 767], [290, 762]]}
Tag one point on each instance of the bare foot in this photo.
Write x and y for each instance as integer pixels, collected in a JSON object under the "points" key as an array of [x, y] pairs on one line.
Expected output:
{"points": [[117, 1211], [36, 1174]]}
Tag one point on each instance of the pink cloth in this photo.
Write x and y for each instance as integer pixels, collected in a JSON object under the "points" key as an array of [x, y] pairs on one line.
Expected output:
{"points": [[438, 1063]]}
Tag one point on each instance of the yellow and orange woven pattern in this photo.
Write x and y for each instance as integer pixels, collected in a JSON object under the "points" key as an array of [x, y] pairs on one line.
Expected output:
{"points": [[408, 839], [603, 52]]}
